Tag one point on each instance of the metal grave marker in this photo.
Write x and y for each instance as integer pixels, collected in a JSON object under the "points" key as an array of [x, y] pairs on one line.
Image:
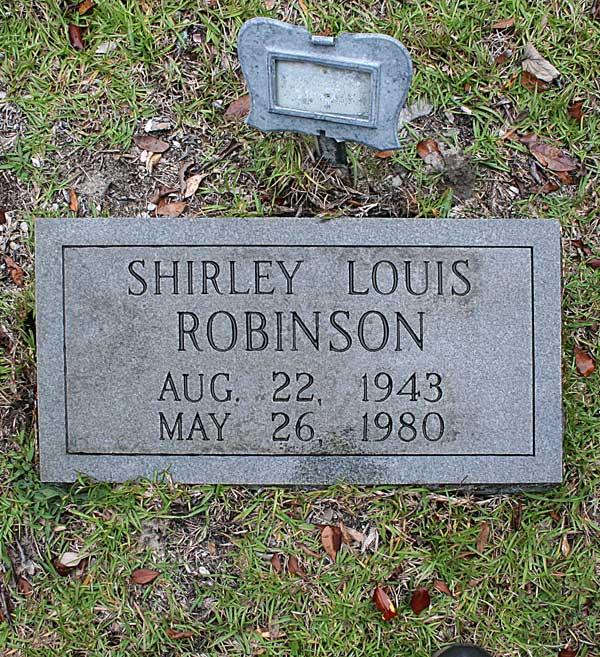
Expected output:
{"points": [[297, 351], [350, 87]]}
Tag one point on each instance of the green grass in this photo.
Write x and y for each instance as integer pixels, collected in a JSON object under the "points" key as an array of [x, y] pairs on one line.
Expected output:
{"points": [[533, 589]]}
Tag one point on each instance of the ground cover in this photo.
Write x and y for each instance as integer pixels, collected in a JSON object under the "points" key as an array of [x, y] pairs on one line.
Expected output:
{"points": [[519, 573]]}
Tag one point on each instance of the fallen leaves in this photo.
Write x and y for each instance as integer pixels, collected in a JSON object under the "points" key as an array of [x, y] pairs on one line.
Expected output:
{"points": [[529, 81], [594, 263], [76, 37], [14, 271], [504, 24], [85, 6], [420, 600], [430, 153], [73, 200], [171, 209], [539, 67], [484, 534], [192, 184], [549, 156], [277, 563], [331, 539], [442, 587], [382, 155], [567, 652], [151, 144], [575, 111], [177, 635], [384, 604], [296, 568], [68, 562], [144, 575], [583, 362], [240, 107], [2, 216]]}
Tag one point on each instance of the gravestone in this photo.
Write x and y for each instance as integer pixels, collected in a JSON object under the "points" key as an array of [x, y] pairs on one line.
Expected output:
{"points": [[298, 351], [350, 87]]}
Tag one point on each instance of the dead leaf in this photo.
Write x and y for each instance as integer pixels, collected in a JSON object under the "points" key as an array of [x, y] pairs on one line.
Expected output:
{"points": [[192, 184], [420, 600], [584, 362], [85, 6], [76, 37], [349, 535], [24, 587], [384, 604], [516, 515], [575, 111], [296, 568], [171, 209], [504, 24], [151, 161], [144, 575], [15, 272], [547, 155], [73, 200], [565, 177], [384, 154], [484, 534], [277, 563], [567, 652], [535, 64], [565, 546], [303, 6], [239, 107], [150, 143], [529, 81], [549, 187], [594, 263], [308, 551], [160, 192], [176, 635], [331, 538], [430, 153], [442, 587], [2, 216]]}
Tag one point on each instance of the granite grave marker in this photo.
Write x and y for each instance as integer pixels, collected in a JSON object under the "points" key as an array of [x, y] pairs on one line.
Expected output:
{"points": [[299, 351]]}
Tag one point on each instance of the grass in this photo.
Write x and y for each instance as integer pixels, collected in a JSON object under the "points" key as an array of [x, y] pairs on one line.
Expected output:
{"points": [[532, 588]]}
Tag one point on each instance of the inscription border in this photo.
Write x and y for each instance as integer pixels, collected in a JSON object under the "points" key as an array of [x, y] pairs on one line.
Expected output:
{"points": [[64, 247]]}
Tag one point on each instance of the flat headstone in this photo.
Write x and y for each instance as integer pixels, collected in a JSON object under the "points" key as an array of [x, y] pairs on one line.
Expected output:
{"points": [[300, 351], [349, 87]]}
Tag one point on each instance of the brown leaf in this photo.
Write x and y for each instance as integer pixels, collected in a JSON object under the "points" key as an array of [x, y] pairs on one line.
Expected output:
{"points": [[192, 184], [549, 156], [2, 216], [504, 24], [565, 177], [24, 587], [594, 263], [76, 37], [160, 192], [420, 600], [179, 634], [516, 515], [60, 568], [144, 575], [171, 209], [239, 107], [584, 362], [384, 604], [85, 6], [15, 272], [308, 551], [150, 143], [384, 154], [567, 652], [427, 147], [575, 111], [350, 535], [529, 81], [277, 563], [73, 200], [296, 568], [535, 64], [442, 587], [484, 534], [331, 538]]}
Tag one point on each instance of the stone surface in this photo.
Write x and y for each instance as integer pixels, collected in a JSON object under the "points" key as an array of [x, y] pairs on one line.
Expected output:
{"points": [[300, 351], [351, 87]]}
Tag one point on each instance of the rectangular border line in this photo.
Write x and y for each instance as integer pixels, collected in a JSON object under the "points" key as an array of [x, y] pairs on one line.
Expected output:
{"points": [[315, 246]]}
